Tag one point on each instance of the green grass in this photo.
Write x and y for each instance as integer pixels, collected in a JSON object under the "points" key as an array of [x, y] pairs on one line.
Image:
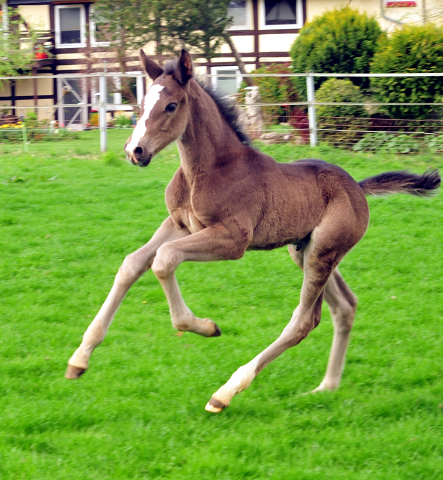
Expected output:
{"points": [[69, 216]]}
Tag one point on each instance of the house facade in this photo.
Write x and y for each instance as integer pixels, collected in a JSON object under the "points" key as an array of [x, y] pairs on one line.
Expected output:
{"points": [[262, 30]]}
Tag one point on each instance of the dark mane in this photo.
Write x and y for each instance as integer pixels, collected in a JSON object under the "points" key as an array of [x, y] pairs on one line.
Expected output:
{"points": [[224, 104], [228, 110]]}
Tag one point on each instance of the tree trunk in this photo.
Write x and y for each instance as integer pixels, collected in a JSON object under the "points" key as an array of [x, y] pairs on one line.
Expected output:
{"points": [[125, 87], [238, 59]]}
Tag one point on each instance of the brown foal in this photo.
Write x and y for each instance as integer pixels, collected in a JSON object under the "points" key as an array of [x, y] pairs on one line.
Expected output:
{"points": [[225, 198]]}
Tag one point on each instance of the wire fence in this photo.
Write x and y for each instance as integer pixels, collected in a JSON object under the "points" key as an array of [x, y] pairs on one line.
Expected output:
{"points": [[359, 134], [295, 122]]}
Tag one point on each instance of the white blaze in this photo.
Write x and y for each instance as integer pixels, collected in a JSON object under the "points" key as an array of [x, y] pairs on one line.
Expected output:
{"points": [[151, 99]]}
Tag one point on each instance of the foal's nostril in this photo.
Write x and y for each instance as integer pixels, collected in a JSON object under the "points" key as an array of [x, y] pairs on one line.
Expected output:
{"points": [[138, 152]]}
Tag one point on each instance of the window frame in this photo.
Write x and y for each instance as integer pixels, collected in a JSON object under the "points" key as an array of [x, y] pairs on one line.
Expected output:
{"points": [[291, 26], [58, 42], [248, 23], [94, 42], [218, 71]]}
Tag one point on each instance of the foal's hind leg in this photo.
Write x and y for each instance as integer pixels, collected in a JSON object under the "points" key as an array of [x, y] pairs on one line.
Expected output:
{"points": [[133, 267], [342, 304], [319, 260]]}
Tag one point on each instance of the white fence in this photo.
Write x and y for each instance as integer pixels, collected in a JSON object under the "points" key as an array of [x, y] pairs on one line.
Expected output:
{"points": [[99, 101]]}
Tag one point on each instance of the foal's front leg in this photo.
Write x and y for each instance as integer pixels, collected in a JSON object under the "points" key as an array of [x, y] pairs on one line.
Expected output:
{"points": [[133, 267], [213, 243]]}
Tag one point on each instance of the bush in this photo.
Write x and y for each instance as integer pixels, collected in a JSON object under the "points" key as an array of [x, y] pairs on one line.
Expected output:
{"points": [[375, 142], [274, 90], [414, 49], [402, 144], [93, 118], [435, 144], [339, 41], [334, 90], [122, 121], [372, 142], [342, 120], [31, 120], [11, 133]]}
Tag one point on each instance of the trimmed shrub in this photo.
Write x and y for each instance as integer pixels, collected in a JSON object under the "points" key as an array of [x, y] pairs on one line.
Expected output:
{"points": [[274, 90], [339, 41], [335, 90], [343, 121], [411, 49]]}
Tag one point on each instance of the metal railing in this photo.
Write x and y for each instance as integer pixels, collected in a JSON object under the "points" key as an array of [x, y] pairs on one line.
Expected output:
{"points": [[322, 129]]}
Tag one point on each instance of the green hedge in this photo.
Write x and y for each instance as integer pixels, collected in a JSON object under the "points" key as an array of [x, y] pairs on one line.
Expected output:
{"points": [[414, 49], [339, 41]]}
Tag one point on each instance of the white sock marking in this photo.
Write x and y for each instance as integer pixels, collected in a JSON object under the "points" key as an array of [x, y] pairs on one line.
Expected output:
{"points": [[151, 99], [239, 381]]}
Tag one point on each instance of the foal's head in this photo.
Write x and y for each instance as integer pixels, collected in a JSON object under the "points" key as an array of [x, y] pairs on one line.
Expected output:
{"points": [[164, 110]]}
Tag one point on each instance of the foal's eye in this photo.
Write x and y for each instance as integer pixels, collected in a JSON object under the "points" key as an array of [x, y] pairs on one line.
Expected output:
{"points": [[171, 108]]}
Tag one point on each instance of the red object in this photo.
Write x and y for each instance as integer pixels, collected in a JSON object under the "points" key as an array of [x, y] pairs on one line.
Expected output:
{"points": [[41, 55], [401, 4]]}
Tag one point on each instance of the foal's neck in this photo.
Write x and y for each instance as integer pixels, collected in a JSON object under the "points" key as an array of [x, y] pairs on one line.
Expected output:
{"points": [[208, 137]]}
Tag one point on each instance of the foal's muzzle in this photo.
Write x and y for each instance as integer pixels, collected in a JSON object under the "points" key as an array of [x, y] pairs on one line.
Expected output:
{"points": [[140, 157]]}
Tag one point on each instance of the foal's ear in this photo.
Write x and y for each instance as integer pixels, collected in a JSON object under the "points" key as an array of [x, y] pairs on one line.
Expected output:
{"points": [[151, 68], [184, 67]]}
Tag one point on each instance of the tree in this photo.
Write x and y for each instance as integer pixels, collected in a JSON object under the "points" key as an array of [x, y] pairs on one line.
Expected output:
{"points": [[17, 45], [173, 24], [125, 26], [199, 25]]}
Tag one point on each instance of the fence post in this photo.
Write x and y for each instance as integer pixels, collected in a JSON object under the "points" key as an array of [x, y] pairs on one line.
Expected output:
{"points": [[102, 113], [311, 110], [25, 137]]}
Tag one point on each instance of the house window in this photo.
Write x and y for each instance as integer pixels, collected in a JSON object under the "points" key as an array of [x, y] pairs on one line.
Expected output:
{"points": [[94, 29], [70, 26], [226, 79], [239, 11], [276, 14]]}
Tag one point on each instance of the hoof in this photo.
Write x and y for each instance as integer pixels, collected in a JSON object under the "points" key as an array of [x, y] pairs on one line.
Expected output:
{"points": [[214, 406], [322, 388], [217, 332], [74, 372]]}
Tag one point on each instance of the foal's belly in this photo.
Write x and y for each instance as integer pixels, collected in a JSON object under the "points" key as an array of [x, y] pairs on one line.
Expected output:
{"points": [[270, 239]]}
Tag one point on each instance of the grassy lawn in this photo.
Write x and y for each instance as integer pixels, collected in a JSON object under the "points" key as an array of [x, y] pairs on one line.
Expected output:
{"points": [[68, 217]]}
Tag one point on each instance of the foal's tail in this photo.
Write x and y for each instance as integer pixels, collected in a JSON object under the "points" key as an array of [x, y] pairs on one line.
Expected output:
{"points": [[402, 182]]}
